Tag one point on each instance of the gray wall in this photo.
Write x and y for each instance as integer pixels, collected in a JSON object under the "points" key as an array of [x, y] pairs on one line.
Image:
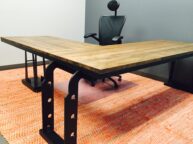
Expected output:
{"points": [[39, 17], [147, 20]]}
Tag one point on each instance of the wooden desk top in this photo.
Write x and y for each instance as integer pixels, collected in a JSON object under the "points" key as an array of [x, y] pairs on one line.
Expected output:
{"points": [[102, 59]]}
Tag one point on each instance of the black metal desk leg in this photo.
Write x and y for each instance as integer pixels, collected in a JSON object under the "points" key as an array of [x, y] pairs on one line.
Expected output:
{"points": [[71, 108], [35, 71], [26, 66], [171, 74], [33, 83], [171, 71], [44, 65], [174, 79], [48, 99], [47, 132]]}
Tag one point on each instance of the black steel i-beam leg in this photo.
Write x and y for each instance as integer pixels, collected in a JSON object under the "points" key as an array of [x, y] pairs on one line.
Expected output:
{"points": [[44, 65], [71, 108], [171, 73], [174, 84]]}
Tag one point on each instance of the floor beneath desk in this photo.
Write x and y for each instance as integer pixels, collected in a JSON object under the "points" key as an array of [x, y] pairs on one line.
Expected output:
{"points": [[141, 111]]}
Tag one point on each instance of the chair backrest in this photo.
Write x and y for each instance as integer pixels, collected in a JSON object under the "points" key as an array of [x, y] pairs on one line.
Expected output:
{"points": [[109, 27]]}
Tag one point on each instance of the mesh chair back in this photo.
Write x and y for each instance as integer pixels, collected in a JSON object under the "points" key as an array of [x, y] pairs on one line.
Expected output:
{"points": [[109, 27]]}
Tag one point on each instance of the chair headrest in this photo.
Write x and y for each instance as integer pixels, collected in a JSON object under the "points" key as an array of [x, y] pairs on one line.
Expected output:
{"points": [[113, 5]]}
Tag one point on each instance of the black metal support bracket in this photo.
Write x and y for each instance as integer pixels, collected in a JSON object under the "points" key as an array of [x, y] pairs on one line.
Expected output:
{"points": [[71, 107]]}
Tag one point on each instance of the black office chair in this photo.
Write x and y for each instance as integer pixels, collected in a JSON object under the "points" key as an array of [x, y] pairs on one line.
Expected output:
{"points": [[110, 28]]}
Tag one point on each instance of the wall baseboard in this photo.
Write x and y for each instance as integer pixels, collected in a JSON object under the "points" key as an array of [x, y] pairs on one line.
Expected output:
{"points": [[150, 76], [16, 66]]}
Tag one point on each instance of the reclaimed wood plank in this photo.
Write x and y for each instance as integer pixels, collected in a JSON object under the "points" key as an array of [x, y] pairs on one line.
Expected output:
{"points": [[101, 59]]}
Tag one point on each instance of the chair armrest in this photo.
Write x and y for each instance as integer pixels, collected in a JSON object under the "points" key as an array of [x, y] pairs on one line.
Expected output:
{"points": [[117, 38], [93, 35]]}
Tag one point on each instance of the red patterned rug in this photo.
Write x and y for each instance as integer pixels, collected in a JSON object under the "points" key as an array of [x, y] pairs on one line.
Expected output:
{"points": [[141, 111]]}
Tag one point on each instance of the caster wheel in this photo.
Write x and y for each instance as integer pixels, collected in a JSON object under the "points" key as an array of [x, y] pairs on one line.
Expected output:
{"points": [[93, 84]]}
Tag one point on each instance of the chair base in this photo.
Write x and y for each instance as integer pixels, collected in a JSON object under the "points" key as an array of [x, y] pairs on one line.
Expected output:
{"points": [[119, 78], [115, 84]]}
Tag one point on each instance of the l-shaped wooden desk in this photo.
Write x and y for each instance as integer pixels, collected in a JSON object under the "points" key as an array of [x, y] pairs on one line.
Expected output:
{"points": [[88, 60]]}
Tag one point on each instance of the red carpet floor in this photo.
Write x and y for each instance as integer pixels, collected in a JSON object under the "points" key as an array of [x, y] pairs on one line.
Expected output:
{"points": [[141, 111]]}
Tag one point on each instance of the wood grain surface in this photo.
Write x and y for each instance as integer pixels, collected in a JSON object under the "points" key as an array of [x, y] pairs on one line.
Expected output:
{"points": [[101, 59]]}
